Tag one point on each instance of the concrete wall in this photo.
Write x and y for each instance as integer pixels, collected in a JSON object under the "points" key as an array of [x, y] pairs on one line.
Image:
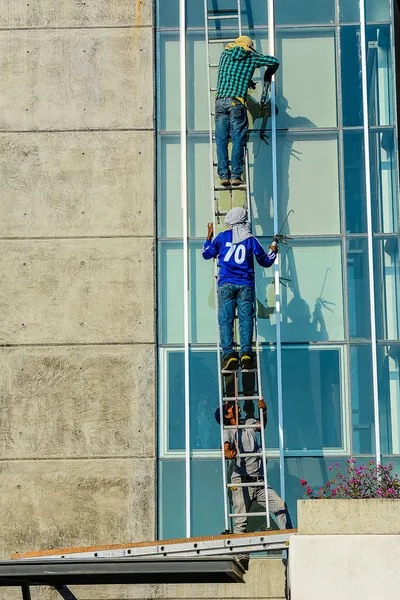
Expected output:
{"points": [[346, 549], [77, 334]]}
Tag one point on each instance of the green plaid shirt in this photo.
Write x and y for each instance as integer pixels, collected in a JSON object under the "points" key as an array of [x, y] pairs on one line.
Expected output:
{"points": [[236, 68]]}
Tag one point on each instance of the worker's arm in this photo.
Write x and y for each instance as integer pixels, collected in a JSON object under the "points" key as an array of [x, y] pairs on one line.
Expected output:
{"points": [[210, 248], [262, 406], [228, 452], [263, 258], [261, 60]]}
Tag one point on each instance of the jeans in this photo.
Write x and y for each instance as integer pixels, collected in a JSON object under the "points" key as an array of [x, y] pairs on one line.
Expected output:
{"points": [[243, 498], [230, 296], [230, 118]]}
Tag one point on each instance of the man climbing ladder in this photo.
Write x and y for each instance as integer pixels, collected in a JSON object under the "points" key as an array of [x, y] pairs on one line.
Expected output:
{"points": [[236, 67], [235, 248]]}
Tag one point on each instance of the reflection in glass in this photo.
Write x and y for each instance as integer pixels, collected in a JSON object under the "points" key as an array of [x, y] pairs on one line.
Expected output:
{"points": [[350, 52], [387, 290], [354, 182], [358, 288], [311, 53], [171, 499], [379, 74], [362, 399], [389, 397], [312, 398], [311, 299], [292, 12], [377, 10], [383, 181]]}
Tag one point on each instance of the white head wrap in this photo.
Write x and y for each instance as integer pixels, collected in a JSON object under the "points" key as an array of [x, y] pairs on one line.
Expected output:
{"points": [[236, 218]]}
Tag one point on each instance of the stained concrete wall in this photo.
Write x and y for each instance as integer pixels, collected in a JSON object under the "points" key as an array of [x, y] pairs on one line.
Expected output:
{"points": [[77, 333]]}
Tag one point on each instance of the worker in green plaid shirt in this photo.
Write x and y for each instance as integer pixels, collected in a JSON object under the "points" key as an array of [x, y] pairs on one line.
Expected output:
{"points": [[236, 67]]}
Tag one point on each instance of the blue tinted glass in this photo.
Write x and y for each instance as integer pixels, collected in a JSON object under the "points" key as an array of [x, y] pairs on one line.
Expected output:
{"points": [[358, 288], [362, 401], [377, 10], [171, 499], [207, 504], [389, 398], [354, 182], [351, 76], [379, 74], [253, 13], [383, 181], [387, 288], [312, 398], [294, 12], [349, 11], [314, 471]]}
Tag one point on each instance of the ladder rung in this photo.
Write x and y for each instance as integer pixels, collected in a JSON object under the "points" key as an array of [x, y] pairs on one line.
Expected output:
{"points": [[220, 41], [223, 17], [252, 514], [229, 188], [213, 89], [238, 369], [242, 398], [258, 484], [243, 454], [213, 65], [240, 426], [222, 11]]}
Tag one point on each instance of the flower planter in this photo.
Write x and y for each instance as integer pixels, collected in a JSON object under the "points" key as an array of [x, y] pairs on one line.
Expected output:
{"points": [[346, 517]]}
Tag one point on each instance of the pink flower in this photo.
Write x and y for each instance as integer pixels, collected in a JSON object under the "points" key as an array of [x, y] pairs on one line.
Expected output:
{"points": [[334, 492], [303, 482], [309, 490], [330, 468]]}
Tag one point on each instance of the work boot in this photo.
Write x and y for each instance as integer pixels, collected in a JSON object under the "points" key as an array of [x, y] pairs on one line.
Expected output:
{"points": [[229, 362], [225, 182], [237, 181], [246, 361]]}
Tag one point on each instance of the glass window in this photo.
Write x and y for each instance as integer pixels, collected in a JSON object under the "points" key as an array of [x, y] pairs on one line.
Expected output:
{"points": [[292, 12], [379, 74], [354, 182], [358, 288], [312, 398], [349, 11], [311, 54], [311, 299], [389, 397], [386, 263], [362, 399], [171, 499], [350, 52], [377, 10], [253, 13], [383, 181], [170, 293]]}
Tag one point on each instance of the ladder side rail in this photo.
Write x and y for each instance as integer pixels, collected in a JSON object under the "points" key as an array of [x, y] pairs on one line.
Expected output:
{"points": [[258, 356], [239, 10], [211, 169]]}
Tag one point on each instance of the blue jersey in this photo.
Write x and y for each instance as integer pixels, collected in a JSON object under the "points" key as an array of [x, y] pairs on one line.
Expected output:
{"points": [[235, 261]]}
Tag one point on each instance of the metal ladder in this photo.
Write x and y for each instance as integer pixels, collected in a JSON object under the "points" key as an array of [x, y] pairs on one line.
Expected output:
{"points": [[234, 386]]}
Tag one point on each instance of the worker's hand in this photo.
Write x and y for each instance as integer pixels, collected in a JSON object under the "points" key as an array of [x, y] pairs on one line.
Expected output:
{"points": [[252, 85], [261, 404], [274, 248], [230, 453], [210, 232]]}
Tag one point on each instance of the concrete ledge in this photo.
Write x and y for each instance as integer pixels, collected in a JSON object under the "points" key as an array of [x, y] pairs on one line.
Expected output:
{"points": [[349, 567], [346, 517]]}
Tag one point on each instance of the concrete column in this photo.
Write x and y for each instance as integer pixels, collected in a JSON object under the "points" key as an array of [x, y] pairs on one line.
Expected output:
{"points": [[77, 331]]}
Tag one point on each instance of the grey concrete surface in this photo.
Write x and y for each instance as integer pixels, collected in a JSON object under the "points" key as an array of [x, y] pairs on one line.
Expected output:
{"points": [[347, 517], [75, 13], [69, 291], [62, 503], [78, 401], [76, 79], [76, 184], [349, 567]]}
